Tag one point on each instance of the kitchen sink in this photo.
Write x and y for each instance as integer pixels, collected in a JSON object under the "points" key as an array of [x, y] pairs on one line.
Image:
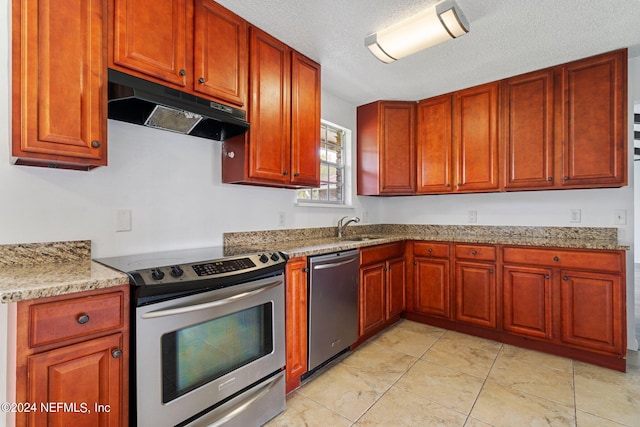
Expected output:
{"points": [[359, 238]]}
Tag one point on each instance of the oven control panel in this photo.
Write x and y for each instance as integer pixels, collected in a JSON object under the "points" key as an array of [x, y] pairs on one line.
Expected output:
{"points": [[225, 266]]}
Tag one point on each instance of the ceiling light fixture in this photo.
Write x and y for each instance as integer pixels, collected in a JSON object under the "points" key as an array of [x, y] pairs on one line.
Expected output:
{"points": [[439, 23]]}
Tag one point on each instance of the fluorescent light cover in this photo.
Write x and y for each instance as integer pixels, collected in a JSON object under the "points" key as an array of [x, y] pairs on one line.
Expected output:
{"points": [[435, 25]]}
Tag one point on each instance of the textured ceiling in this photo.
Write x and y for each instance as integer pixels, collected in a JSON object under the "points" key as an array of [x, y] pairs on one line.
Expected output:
{"points": [[507, 37]]}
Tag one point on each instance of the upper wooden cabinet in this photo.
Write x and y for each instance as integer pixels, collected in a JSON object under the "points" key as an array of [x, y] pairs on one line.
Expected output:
{"points": [[592, 121], [282, 146], [434, 145], [59, 84], [527, 131], [386, 148], [199, 47]]}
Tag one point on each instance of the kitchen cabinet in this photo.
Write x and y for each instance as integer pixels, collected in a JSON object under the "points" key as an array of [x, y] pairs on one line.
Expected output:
{"points": [[296, 320], [386, 148], [59, 99], [74, 349], [592, 121], [527, 132], [582, 296], [382, 287], [282, 147], [194, 46], [434, 145], [431, 279], [476, 285]]}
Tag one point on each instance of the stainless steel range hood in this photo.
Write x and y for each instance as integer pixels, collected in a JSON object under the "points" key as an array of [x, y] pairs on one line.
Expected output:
{"points": [[142, 102]]}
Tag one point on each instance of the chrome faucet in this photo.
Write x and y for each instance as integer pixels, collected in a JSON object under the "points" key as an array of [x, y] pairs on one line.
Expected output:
{"points": [[342, 227]]}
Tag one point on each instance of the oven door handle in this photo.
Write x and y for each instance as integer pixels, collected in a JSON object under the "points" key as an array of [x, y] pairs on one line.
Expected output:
{"points": [[210, 304], [234, 412]]}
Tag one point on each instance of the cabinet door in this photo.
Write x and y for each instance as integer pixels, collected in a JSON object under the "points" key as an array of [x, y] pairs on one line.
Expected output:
{"points": [[593, 115], [527, 301], [431, 284], [475, 135], [372, 297], [59, 83], [396, 278], [221, 53], [397, 148], [305, 121], [527, 137], [476, 294], [88, 373], [153, 37], [296, 317], [270, 107], [593, 311], [434, 146]]}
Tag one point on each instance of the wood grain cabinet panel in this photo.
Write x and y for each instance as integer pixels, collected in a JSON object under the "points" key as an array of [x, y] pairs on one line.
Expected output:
{"points": [[434, 146], [432, 290], [296, 320], [396, 278], [476, 294], [59, 84], [386, 148], [372, 297], [527, 131]]}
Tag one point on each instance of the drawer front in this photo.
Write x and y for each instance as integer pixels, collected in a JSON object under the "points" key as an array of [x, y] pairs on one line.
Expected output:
{"points": [[381, 253], [431, 249], [476, 252], [73, 318], [583, 259]]}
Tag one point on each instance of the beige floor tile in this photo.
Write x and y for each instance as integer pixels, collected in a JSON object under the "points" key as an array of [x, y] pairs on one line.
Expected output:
{"points": [[533, 378], [471, 355], [347, 392], [472, 422], [409, 337], [505, 407], [537, 358], [608, 394], [384, 365], [401, 408], [448, 387], [588, 420], [302, 411]]}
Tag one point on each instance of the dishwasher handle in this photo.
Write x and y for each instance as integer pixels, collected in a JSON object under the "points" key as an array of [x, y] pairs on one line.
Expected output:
{"points": [[334, 264]]}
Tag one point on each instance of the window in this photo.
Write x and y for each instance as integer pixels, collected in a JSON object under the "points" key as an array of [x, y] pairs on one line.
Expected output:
{"points": [[334, 142]]}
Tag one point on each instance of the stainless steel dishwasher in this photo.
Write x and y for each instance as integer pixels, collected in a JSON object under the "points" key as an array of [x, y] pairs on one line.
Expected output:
{"points": [[333, 305]]}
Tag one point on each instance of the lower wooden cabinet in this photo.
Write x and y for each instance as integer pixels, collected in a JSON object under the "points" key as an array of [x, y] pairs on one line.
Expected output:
{"points": [[382, 287], [431, 279], [476, 285], [86, 372], [296, 320]]}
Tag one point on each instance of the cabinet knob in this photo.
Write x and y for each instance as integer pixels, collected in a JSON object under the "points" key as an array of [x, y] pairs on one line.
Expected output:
{"points": [[474, 252], [116, 353], [183, 72], [285, 173], [565, 278], [384, 269], [429, 250], [95, 144], [550, 178], [448, 185], [305, 270], [415, 262], [231, 154], [556, 259], [491, 271], [566, 178], [546, 276], [201, 80], [296, 174], [83, 318]]}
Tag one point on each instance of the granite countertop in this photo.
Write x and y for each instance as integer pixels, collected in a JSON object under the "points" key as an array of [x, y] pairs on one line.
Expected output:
{"points": [[38, 270]]}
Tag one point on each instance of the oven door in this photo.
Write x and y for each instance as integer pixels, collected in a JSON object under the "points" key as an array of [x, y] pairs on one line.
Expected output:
{"points": [[194, 352]]}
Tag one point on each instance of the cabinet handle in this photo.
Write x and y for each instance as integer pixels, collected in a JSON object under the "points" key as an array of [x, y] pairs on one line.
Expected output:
{"points": [[116, 353], [550, 178], [474, 252], [305, 270], [285, 173], [448, 184], [384, 269], [491, 271], [95, 144], [83, 318], [296, 174], [415, 262], [566, 178], [183, 72], [546, 276], [565, 278], [201, 80], [556, 259], [430, 250]]}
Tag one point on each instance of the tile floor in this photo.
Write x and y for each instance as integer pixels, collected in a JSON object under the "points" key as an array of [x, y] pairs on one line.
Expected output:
{"points": [[418, 375]]}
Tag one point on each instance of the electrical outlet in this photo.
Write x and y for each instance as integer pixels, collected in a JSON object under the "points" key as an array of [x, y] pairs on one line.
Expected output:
{"points": [[620, 217], [472, 217], [282, 219], [575, 215], [365, 217], [123, 220]]}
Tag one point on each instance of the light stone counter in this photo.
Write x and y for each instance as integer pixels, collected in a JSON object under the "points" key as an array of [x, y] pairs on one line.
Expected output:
{"points": [[39, 270]]}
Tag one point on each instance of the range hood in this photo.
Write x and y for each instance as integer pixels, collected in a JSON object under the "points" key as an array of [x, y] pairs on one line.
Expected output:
{"points": [[142, 102]]}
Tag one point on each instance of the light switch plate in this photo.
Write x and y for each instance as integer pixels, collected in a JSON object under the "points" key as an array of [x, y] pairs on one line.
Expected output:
{"points": [[575, 215], [123, 220]]}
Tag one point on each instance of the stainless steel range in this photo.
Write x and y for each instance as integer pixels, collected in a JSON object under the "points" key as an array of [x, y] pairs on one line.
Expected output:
{"points": [[208, 334]]}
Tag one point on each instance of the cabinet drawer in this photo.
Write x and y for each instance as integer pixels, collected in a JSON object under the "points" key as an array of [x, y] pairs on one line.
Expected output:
{"points": [[431, 249], [381, 253], [583, 259], [77, 317], [476, 252]]}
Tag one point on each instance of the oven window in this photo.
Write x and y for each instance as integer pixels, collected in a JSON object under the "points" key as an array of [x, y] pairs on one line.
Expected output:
{"points": [[200, 353]]}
